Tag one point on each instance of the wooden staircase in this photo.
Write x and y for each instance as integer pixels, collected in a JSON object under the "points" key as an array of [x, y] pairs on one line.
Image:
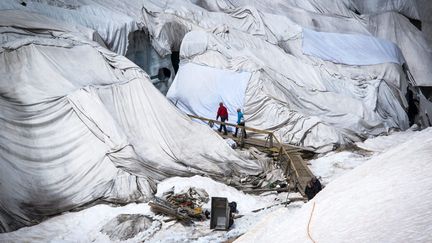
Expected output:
{"points": [[290, 158]]}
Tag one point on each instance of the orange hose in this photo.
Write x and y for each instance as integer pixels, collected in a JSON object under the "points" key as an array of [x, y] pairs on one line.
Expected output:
{"points": [[308, 226]]}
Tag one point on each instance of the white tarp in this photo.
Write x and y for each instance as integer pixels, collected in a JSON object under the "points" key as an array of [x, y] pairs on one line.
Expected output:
{"points": [[272, 20], [275, 16], [200, 94], [298, 96], [303, 101], [415, 49], [408, 8], [111, 25], [351, 49], [339, 7], [80, 125]]}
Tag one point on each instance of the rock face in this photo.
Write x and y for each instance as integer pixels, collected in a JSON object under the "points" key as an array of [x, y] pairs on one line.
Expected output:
{"points": [[127, 226]]}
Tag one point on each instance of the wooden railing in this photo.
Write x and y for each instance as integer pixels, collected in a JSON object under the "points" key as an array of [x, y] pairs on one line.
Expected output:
{"points": [[269, 135], [290, 169]]}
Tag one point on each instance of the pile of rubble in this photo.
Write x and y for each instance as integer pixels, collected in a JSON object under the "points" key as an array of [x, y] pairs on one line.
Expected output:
{"points": [[185, 206]]}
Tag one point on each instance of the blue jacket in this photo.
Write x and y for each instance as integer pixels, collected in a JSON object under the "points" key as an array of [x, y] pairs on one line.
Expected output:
{"points": [[240, 117]]}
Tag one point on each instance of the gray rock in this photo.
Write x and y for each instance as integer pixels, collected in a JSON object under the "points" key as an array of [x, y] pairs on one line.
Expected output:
{"points": [[126, 226]]}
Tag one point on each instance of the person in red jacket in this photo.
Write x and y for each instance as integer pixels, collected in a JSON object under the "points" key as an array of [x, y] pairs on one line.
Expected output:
{"points": [[223, 114]]}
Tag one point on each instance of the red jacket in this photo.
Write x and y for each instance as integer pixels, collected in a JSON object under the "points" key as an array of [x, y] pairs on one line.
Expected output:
{"points": [[222, 112]]}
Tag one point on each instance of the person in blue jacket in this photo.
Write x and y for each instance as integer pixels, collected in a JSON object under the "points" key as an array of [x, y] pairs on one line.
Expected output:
{"points": [[240, 122]]}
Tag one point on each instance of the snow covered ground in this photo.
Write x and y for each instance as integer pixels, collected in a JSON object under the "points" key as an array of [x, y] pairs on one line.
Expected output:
{"points": [[82, 226], [331, 165], [383, 143], [85, 225], [386, 199], [334, 164], [351, 198]]}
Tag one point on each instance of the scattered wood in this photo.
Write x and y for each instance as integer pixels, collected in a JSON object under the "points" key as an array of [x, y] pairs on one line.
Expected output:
{"points": [[282, 203], [285, 189], [162, 208]]}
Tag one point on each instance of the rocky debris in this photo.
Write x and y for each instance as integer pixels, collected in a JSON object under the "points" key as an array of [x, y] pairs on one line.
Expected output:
{"points": [[192, 197], [127, 226], [184, 206]]}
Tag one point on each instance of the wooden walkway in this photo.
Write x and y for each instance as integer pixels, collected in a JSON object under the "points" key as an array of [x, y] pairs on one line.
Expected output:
{"points": [[290, 158]]}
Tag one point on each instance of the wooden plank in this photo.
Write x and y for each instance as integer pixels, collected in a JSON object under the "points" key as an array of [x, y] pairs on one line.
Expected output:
{"points": [[248, 141], [261, 190]]}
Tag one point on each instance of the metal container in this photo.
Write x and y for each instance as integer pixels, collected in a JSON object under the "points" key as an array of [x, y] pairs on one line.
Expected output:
{"points": [[220, 213]]}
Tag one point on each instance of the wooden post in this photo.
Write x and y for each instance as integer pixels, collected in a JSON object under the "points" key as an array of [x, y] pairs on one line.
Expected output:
{"points": [[242, 138], [271, 140]]}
